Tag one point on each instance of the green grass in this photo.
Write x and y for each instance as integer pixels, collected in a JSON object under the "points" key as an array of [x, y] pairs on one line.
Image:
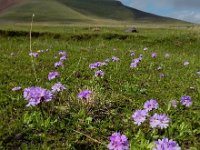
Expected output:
{"points": [[68, 122]]}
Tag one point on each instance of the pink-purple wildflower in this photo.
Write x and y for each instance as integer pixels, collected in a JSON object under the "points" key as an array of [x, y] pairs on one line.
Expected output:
{"points": [[139, 116], [115, 58], [166, 144], [53, 75], [198, 72], [85, 94], [99, 73], [33, 54], [159, 120], [145, 48], [150, 105], [118, 142], [58, 64], [63, 58], [36, 95], [57, 87], [186, 100], [154, 55], [97, 65]]}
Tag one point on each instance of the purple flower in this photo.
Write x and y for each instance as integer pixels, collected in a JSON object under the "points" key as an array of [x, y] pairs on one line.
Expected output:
{"points": [[139, 116], [97, 65], [159, 120], [145, 49], [17, 88], [186, 63], [135, 62], [34, 54], [57, 87], [166, 144], [153, 55], [133, 65], [58, 64], [150, 105], [115, 58], [99, 73], [198, 72], [62, 53], [174, 103], [186, 100], [132, 54], [118, 142], [63, 58], [53, 75], [36, 95], [85, 94]]}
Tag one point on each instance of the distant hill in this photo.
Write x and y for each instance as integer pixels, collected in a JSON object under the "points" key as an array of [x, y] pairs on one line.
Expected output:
{"points": [[74, 11]]}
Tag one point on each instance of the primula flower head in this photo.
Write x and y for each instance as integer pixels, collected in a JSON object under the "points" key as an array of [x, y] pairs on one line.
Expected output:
{"points": [[97, 65], [139, 116], [115, 58], [58, 64], [118, 142], [186, 100], [57, 87], [166, 144], [85, 94], [132, 54], [62, 53], [145, 48], [53, 75], [63, 58], [150, 105], [153, 55], [99, 73], [159, 120], [36, 95], [17, 88], [34, 54]]}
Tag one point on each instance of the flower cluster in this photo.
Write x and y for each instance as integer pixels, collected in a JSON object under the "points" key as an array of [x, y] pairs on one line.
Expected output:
{"points": [[118, 142], [97, 65], [53, 75], [57, 87], [166, 144], [159, 120], [135, 62], [36, 95], [186, 100], [85, 94]]}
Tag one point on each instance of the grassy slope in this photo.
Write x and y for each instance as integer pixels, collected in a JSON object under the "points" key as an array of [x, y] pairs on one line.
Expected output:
{"points": [[71, 11], [113, 10], [44, 11], [117, 95]]}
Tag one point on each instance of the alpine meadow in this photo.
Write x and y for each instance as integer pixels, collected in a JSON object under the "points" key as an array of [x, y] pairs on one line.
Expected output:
{"points": [[97, 75]]}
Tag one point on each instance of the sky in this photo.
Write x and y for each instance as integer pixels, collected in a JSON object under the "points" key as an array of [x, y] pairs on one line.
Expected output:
{"points": [[188, 10]]}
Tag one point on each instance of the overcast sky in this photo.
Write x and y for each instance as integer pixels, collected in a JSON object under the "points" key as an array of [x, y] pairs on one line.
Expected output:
{"points": [[188, 10]]}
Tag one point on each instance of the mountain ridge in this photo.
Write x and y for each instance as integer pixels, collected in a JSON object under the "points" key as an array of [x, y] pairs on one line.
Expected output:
{"points": [[70, 11]]}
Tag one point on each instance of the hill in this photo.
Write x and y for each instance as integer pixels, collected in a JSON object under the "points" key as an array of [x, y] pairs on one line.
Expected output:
{"points": [[72, 11]]}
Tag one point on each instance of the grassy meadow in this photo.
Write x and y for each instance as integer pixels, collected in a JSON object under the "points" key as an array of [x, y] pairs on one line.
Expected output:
{"points": [[68, 122]]}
